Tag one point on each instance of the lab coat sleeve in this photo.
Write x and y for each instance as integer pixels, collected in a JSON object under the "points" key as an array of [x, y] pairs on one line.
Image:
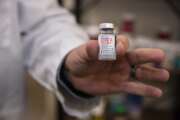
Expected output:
{"points": [[50, 33]]}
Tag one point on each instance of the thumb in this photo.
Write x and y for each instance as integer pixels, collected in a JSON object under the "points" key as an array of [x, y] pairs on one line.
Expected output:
{"points": [[92, 50]]}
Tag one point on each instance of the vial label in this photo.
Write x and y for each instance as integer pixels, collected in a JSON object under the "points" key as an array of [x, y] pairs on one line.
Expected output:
{"points": [[107, 50]]}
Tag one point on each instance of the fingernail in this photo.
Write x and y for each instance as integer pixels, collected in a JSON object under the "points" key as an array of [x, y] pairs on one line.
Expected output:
{"points": [[158, 93], [166, 75]]}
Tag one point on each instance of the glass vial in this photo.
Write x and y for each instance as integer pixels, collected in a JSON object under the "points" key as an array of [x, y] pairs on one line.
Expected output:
{"points": [[107, 41]]}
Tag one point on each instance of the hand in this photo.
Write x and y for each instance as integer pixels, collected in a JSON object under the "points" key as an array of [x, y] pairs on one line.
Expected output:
{"points": [[95, 77]]}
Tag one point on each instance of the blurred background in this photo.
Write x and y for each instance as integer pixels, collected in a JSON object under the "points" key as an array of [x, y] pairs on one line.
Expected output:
{"points": [[147, 23]]}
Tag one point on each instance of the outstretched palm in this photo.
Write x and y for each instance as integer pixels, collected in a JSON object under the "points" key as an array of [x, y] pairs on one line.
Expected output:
{"points": [[95, 77]]}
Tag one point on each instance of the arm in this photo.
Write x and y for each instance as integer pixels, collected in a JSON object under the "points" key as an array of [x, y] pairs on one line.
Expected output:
{"points": [[50, 33]]}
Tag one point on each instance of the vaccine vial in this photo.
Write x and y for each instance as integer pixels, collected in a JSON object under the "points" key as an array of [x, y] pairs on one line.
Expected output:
{"points": [[107, 41]]}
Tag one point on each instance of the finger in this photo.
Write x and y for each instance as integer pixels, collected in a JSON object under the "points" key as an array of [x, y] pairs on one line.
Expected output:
{"points": [[145, 72], [122, 45], [96, 87], [107, 67], [140, 89], [145, 55]]}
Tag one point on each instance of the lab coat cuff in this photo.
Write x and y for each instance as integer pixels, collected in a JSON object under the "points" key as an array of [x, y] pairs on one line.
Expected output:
{"points": [[74, 98], [64, 80]]}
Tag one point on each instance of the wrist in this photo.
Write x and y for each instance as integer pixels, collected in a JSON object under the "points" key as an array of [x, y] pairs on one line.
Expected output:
{"points": [[64, 78]]}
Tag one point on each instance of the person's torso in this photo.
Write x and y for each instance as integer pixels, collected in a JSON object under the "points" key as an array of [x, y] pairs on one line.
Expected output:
{"points": [[11, 59]]}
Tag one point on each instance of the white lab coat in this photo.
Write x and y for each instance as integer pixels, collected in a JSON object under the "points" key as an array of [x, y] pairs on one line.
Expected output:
{"points": [[49, 33]]}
